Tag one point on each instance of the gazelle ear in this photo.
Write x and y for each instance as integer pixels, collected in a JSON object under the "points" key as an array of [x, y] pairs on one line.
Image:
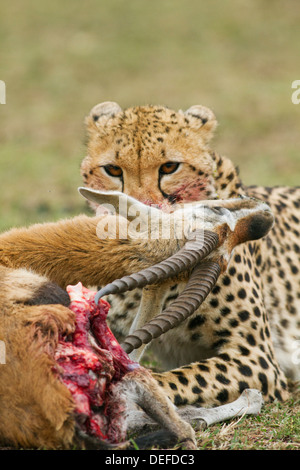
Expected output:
{"points": [[202, 118], [107, 109], [124, 205]]}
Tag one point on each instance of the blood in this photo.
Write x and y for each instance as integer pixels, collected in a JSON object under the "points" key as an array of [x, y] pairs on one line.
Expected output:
{"points": [[195, 190], [90, 363]]}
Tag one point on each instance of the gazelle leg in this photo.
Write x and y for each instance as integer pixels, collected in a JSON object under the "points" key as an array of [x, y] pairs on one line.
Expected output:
{"points": [[150, 306], [249, 402]]}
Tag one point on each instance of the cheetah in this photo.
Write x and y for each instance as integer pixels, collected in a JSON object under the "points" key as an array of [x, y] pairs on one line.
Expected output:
{"points": [[63, 389], [244, 334]]}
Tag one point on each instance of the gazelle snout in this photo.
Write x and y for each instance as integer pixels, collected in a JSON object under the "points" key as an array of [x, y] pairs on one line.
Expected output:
{"points": [[248, 219], [254, 226]]}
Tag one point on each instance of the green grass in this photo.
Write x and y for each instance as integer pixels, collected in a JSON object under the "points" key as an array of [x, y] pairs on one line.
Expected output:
{"points": [[58, 59], [277, 427]]}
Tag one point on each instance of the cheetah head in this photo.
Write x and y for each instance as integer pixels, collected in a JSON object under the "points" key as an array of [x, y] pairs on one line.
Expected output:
{"points": [[156, 155]]}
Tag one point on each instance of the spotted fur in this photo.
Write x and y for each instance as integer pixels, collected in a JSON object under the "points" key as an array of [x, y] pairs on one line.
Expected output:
{"points": [[245, 333]]}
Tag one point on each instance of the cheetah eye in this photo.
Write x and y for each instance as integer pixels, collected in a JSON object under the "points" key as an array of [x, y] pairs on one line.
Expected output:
{"points": [[113, 170], [168, 168]]}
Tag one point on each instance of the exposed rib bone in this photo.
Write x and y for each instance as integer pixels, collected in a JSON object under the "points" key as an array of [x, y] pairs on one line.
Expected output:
{"points": [[201, 282]]}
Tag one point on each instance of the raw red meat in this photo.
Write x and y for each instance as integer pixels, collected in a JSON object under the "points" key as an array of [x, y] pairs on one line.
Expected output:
{"points": [[90, 364]]}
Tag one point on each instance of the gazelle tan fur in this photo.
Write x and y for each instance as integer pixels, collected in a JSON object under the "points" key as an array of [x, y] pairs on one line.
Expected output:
{"points": [[70, 251], [36, 265], [180, 225]]}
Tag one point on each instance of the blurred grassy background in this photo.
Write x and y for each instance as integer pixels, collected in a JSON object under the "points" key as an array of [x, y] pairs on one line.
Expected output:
{"points": [[58, 59]]}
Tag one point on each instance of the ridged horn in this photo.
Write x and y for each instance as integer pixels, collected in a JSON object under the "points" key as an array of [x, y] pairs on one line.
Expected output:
{"points": [[185, 259], [203, 278]]}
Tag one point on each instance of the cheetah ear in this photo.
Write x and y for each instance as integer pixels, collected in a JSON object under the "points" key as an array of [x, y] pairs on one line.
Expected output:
{"points": [[107, 109], [202, 118]]}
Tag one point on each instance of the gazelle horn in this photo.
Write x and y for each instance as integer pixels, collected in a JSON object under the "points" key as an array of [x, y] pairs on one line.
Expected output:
{"points": [[185, 259], [200, 284]]}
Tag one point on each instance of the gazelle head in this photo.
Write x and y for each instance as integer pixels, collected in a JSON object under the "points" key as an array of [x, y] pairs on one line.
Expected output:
{"points": [[208, 231]]}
